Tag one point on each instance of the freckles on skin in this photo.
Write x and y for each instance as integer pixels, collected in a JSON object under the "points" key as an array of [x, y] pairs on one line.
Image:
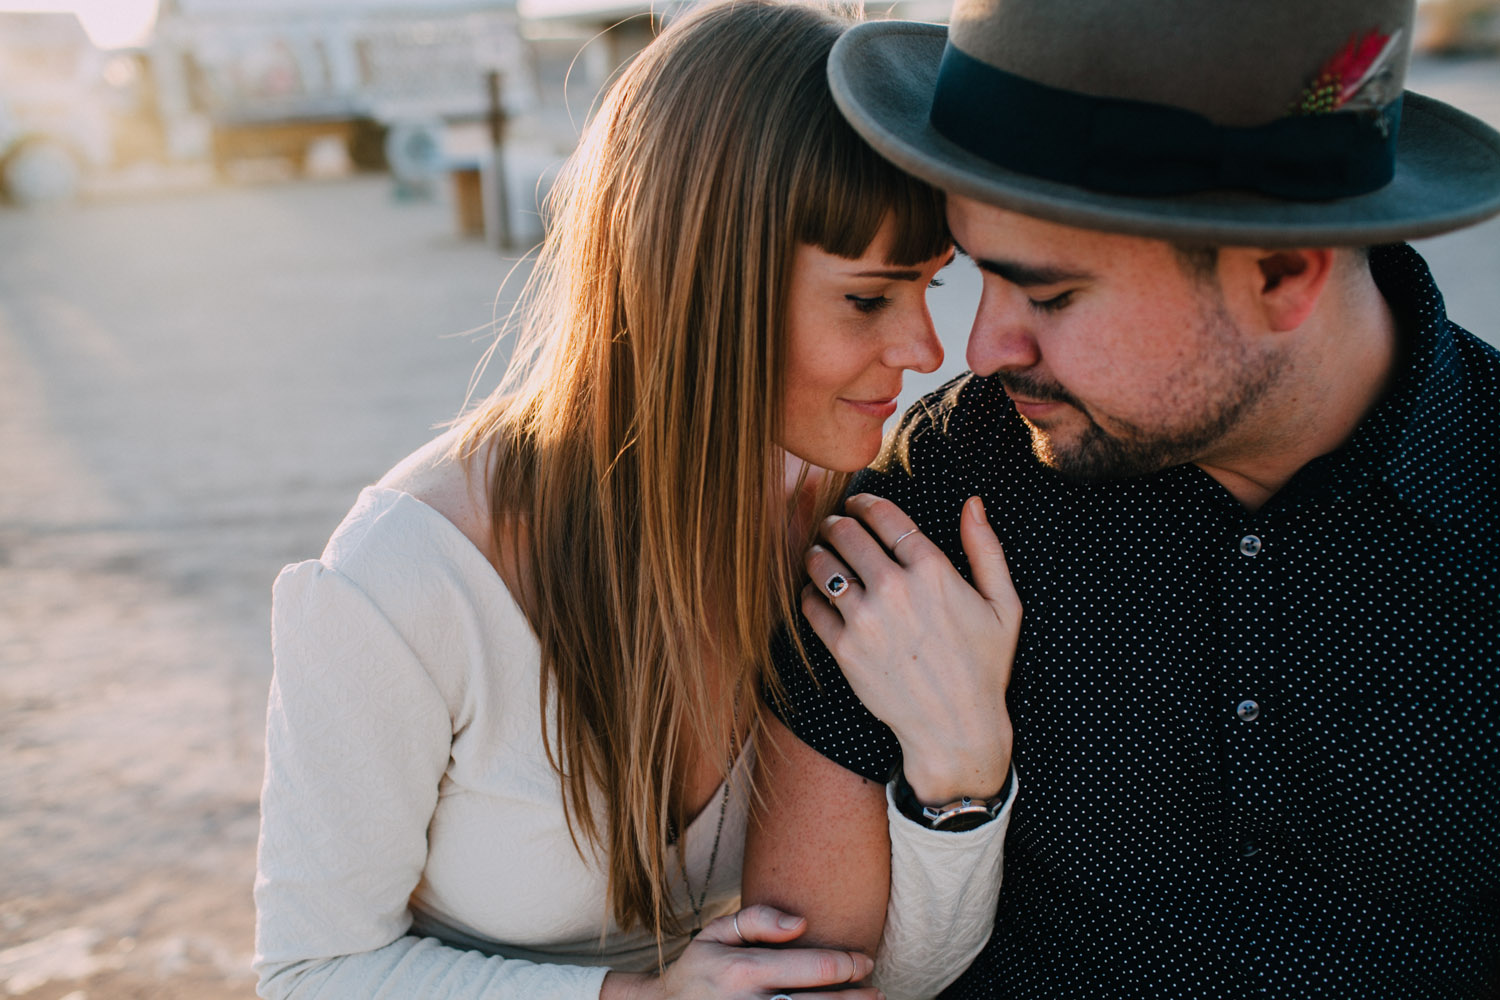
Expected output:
{"points": [[853, 328], [827, 367]]}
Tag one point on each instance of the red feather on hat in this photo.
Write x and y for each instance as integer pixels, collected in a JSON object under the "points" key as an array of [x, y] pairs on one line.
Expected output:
{"points": [[1354, 78]]}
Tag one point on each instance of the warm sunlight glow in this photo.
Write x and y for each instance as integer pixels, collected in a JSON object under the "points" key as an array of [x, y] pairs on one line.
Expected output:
{"points": [[111, 24]]}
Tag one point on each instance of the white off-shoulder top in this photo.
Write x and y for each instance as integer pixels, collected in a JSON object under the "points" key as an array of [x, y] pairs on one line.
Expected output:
{"points": [[413, 842]]}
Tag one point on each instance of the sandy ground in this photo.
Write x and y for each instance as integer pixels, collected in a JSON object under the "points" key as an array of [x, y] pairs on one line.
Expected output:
{"points": [[192, 391]]}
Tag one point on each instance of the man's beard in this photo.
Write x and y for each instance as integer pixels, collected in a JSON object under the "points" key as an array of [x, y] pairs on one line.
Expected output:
{"points": [[1203, 412]]}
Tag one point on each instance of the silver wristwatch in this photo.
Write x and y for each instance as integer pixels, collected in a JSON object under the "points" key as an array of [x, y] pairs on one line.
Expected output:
{"points": [[962, 814]]}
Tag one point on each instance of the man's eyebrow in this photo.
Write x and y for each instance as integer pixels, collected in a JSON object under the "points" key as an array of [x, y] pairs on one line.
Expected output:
{"points": [[1025, 275], [1028, 275]]}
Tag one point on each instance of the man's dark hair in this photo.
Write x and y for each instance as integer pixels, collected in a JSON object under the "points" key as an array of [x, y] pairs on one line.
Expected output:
{"points": [[1201, 261], [1197, 261]]}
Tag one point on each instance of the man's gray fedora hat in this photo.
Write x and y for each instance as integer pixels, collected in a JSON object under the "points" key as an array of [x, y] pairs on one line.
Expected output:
{"points": [[1273, 122]]}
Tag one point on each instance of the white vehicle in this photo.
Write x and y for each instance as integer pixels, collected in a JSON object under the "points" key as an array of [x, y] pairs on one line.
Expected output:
{"points": [[54, 124]]}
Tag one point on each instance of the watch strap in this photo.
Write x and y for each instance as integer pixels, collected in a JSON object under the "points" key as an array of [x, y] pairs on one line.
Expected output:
{"points": [[961, 814]]}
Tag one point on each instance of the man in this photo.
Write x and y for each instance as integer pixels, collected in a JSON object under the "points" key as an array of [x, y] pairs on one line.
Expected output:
{"points": [[1245, 474]]}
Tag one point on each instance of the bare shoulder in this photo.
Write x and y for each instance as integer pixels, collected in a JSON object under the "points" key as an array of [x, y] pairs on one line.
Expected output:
{"points": [[450, 486]]}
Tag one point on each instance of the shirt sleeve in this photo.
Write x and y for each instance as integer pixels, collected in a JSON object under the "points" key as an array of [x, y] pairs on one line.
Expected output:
{"points": [[944, 887], [358, 738]]}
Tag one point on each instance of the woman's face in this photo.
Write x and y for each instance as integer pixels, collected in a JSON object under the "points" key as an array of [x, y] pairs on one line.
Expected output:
{"points": [[853, 326]]}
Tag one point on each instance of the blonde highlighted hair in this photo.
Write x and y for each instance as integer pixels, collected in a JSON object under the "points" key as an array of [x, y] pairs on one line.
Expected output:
{"points": [[631, 452]]}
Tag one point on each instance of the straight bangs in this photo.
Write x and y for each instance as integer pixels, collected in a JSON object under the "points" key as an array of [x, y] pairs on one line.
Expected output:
{"points": [[848, 191]]}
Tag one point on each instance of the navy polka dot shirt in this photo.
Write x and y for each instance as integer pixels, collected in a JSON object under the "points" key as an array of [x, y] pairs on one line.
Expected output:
{"points": [[1259, 750]]}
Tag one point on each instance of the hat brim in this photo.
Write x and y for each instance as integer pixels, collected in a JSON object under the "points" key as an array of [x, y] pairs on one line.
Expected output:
{"points": [[1447, 163]]}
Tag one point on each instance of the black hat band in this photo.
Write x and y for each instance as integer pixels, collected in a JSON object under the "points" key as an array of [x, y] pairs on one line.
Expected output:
{"points": [[1139, 148]]}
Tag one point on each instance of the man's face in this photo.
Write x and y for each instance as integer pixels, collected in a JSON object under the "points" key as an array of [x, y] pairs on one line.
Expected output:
{"points": [[1119, 359]]}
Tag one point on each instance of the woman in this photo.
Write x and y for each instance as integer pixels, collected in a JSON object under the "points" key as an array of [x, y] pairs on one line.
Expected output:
{"points": [[515, 701]]}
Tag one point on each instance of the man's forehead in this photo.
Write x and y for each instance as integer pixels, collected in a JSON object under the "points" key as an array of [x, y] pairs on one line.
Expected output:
{"points": [[1031, 251]]}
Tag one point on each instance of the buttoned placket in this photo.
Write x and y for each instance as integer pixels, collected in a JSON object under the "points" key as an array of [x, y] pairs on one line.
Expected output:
{"points": [[1245, 704]]}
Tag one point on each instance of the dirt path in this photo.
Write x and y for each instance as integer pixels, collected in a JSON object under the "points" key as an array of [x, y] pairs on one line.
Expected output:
{"points": [[191, 393]]}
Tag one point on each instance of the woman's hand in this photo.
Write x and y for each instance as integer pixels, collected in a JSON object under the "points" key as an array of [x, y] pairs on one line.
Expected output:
{"points": [[723, 962], [928, 654]]}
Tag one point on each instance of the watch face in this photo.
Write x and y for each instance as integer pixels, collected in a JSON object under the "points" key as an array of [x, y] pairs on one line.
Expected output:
{"points": [[966, 820], [955, 817]]}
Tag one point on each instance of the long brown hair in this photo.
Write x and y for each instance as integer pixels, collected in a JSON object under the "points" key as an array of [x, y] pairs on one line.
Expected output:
{"points": [[631, 449]]}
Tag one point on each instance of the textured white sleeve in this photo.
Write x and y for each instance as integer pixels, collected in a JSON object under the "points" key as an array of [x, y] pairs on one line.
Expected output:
{"points": [[944, 890], [357, 741]]}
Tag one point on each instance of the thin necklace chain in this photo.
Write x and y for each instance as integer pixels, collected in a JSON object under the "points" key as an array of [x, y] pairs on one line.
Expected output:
{"points": [[713, 857], [713, 854]]}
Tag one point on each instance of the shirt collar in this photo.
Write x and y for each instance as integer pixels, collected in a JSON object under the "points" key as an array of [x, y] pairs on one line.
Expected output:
{"points": [[1423, 436]]}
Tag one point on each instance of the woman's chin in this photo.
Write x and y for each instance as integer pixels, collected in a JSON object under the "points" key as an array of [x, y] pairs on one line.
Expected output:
{"points": [[849, 459], [846, 453]]}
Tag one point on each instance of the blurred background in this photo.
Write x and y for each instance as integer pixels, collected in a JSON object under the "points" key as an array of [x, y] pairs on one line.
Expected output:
{"points": [[250, 254]]}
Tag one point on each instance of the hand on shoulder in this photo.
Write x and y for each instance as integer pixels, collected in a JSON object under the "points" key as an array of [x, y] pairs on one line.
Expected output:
{"points": [[928, 654]]}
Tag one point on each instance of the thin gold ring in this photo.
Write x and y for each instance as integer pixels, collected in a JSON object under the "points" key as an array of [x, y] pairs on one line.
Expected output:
{"points": [[739, 933], [903, 534]]}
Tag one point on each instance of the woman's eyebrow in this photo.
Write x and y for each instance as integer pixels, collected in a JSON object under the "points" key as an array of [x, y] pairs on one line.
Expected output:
{"points": [[902, 274], [899, 274]]}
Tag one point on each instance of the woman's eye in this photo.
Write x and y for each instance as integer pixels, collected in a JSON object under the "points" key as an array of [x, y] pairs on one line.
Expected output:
{"points": [[868, 305], [1053, 304]]}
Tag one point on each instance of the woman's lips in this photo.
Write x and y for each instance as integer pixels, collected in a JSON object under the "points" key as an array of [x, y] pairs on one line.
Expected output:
{"points": [[878, 408]]}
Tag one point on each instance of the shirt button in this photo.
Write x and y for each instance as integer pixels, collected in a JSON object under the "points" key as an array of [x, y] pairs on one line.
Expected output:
{"points": [[1249, 545], [1248, 710], [1249, 848]]}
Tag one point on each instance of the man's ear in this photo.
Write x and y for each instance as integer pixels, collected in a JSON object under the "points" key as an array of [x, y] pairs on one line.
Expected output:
{"points": [[1290, 284]]}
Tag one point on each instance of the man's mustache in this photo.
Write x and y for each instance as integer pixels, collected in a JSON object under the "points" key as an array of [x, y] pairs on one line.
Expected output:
{"points": [[1031, 387]]}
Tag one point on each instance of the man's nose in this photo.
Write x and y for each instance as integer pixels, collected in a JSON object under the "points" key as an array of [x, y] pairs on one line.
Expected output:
{"points": [[1000, 340]]}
